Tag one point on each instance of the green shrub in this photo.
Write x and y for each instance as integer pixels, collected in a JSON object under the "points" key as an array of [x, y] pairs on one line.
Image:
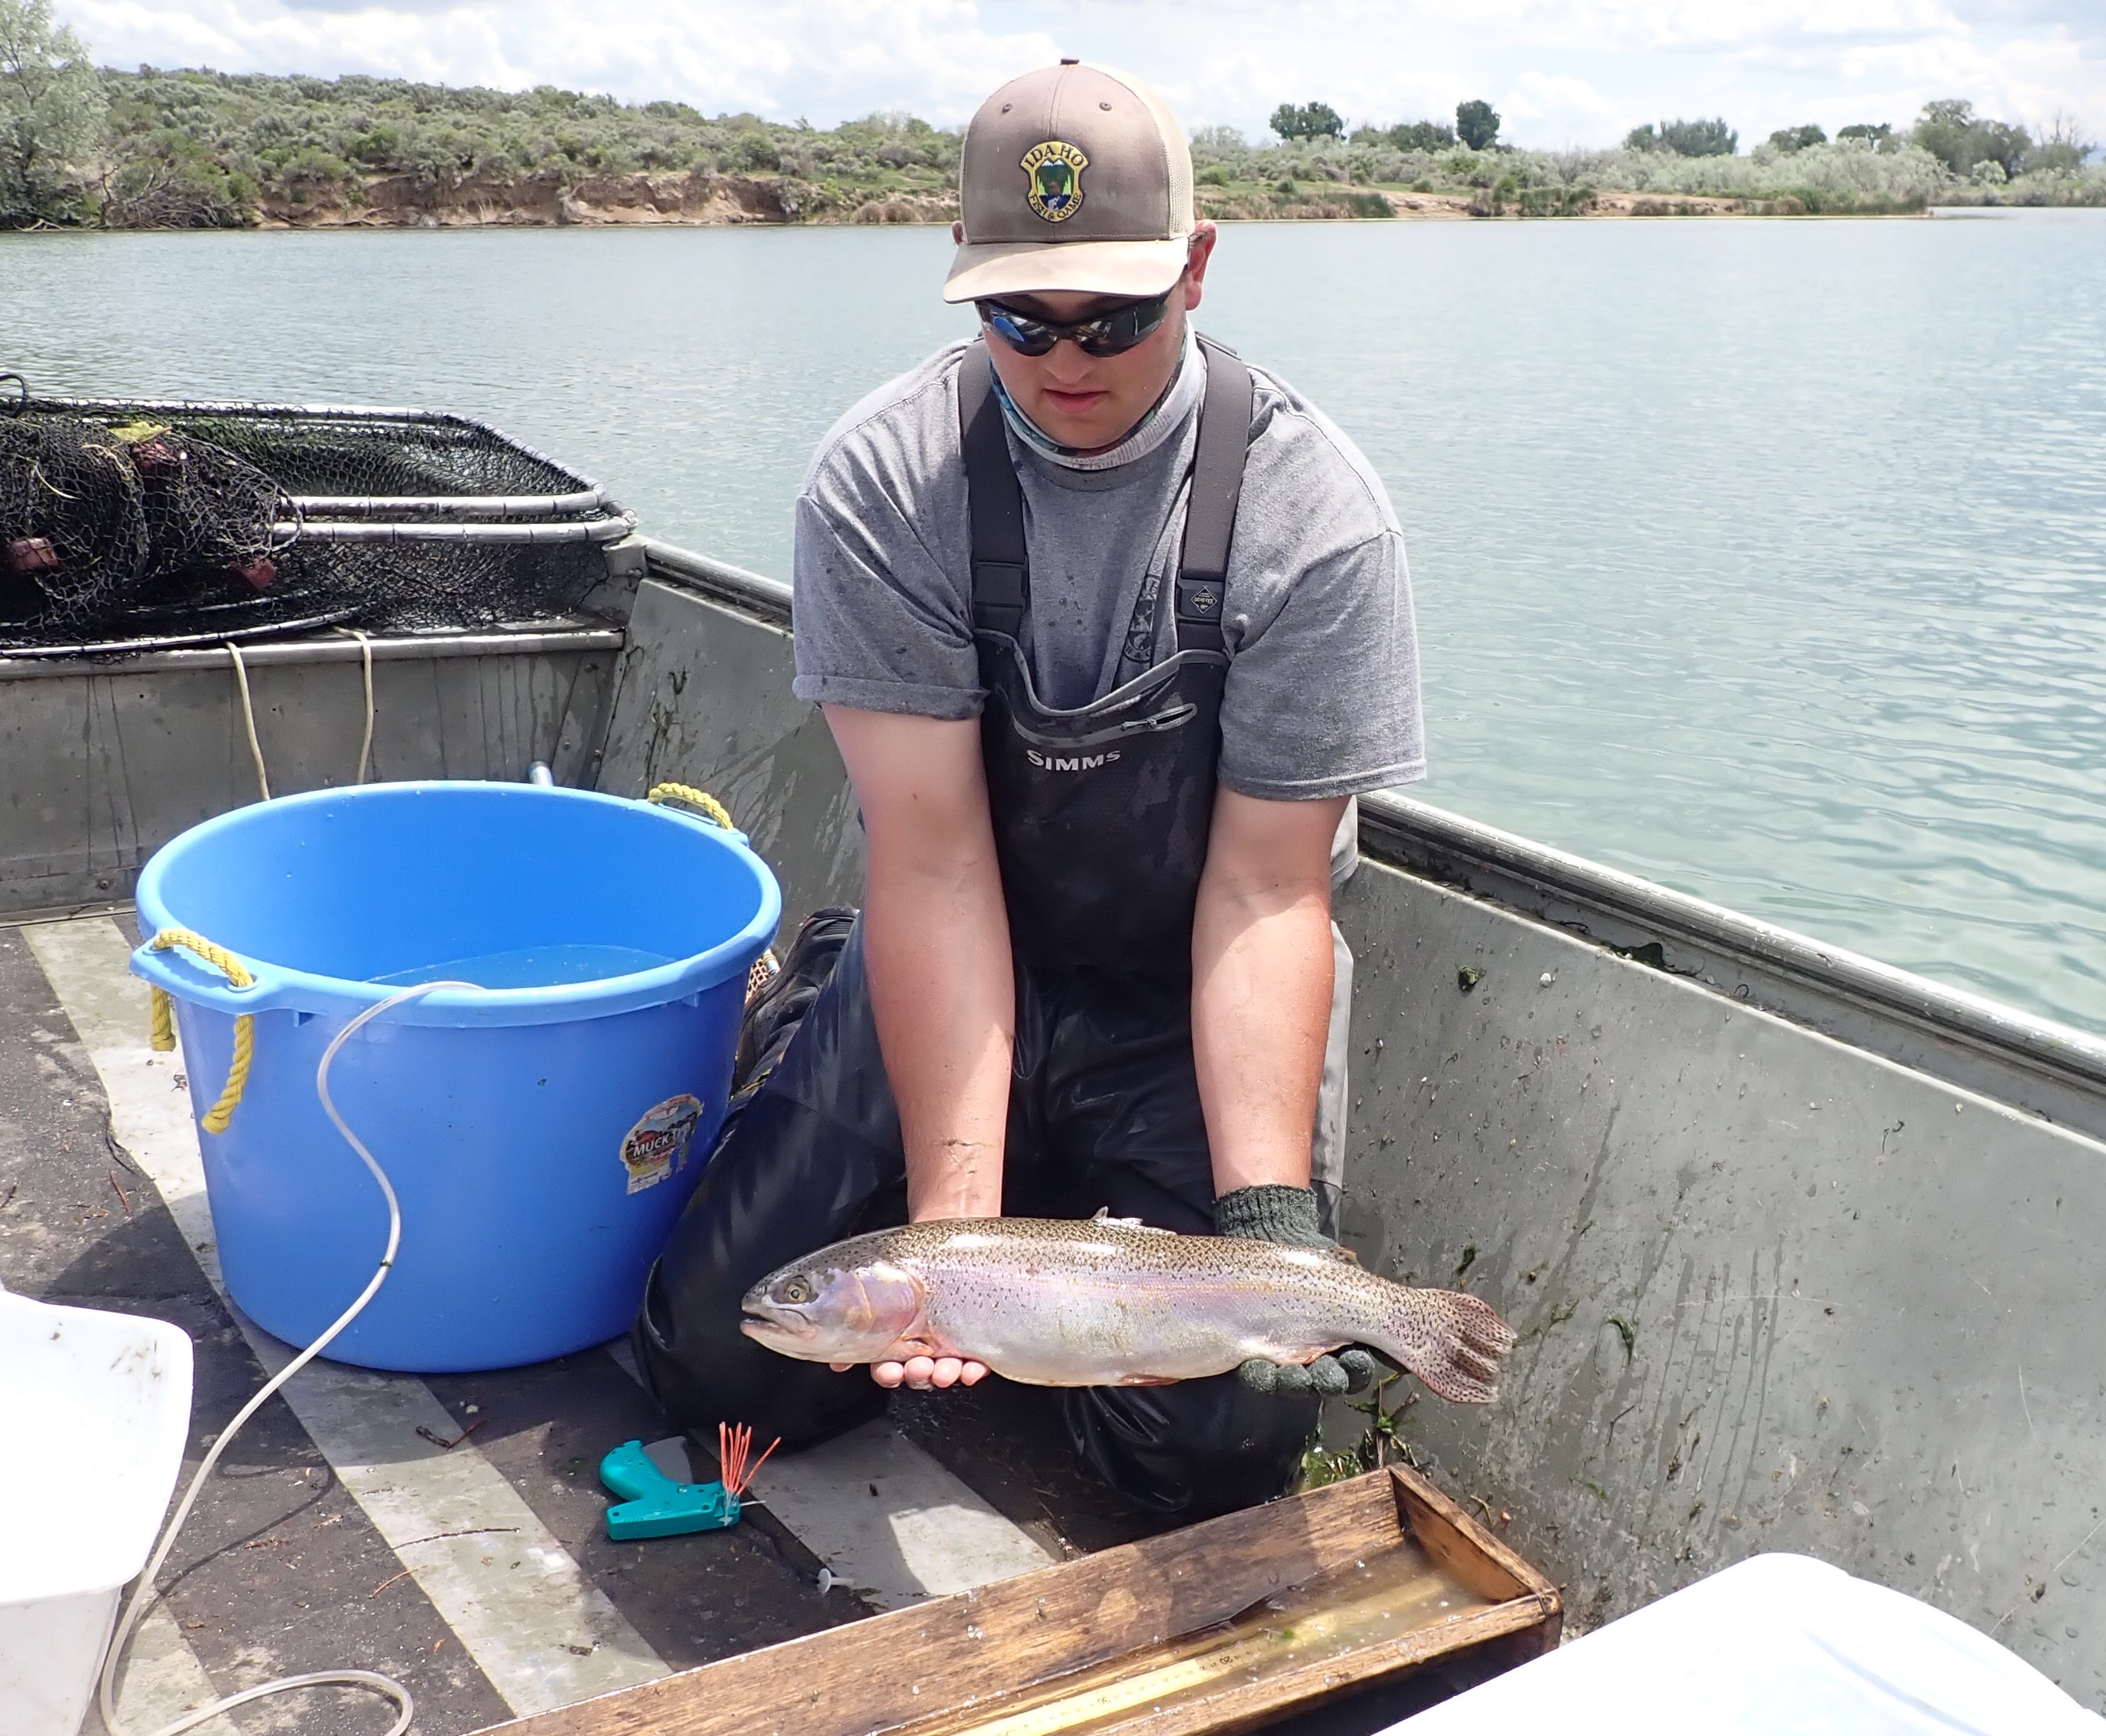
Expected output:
{"points": [[280, 133]]}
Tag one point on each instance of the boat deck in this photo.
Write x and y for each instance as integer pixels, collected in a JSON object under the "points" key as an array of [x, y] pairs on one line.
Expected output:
{"points": [[449, 1531]]}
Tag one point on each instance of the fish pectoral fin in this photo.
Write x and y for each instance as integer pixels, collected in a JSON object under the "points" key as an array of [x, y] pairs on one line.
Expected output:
{"points": [[1299, 1356], [1103, 1215], [900, 1349], [1146, 1380]]}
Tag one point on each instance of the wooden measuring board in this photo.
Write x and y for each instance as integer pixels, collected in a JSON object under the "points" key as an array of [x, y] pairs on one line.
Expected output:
{"points": [[1214, 1628]]}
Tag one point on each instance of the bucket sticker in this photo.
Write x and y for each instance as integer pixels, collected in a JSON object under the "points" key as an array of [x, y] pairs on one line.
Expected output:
{"points": [[657, 1144]]}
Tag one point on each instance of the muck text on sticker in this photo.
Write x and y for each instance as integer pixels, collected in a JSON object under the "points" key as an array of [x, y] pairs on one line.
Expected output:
{"points": [[657, 1144]]}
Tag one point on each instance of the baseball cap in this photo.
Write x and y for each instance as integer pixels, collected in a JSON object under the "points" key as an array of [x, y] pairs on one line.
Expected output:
{"points": [[1073, 178]]}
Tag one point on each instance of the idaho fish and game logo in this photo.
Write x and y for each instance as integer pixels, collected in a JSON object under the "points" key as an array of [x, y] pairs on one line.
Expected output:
{"points": [[1055, 186]]}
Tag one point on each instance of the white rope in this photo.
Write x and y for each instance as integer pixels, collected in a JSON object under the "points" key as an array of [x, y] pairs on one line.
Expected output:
{"points": [[144, 1592], [249, 718]]}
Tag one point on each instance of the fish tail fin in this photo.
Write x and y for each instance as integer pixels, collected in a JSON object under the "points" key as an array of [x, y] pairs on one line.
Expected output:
{"points": [[1451, 1341]]}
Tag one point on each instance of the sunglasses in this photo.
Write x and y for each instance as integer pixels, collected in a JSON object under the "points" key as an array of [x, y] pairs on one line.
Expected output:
{"points": [[1112, 334]]}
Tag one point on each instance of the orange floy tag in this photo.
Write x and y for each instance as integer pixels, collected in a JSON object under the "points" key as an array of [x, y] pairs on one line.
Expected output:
{"points": [[733, 1447]]}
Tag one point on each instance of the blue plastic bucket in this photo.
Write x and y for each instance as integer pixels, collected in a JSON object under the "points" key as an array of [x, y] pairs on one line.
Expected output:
{"points": [[542, 1134]]}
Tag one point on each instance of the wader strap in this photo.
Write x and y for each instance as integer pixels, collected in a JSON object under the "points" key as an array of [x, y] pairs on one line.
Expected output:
{"points": [[1001, 586], [1218, 483], [1001, 567]]}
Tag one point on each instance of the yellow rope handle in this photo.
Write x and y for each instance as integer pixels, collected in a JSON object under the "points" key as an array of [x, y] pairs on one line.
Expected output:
{"points": [[214, 1120], [689, 795]]}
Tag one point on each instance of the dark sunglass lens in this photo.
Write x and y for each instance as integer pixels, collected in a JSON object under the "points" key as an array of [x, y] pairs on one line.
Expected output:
{"points": [[1117, 332], [1026, 337]]}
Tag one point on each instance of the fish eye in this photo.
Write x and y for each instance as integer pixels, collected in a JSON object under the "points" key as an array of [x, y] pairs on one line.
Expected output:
{"points": [[797, 1290]]}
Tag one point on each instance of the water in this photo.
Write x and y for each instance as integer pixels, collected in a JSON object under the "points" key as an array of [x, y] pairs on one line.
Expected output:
{"points": [[1767, 560], [556, 965]]}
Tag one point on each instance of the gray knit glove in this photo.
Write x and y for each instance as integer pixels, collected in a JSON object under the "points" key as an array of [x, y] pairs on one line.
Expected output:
{"points": [[1288, 1215]]}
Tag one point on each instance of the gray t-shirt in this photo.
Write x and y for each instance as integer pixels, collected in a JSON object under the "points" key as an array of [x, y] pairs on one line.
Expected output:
{"points": [[1322, 695]]}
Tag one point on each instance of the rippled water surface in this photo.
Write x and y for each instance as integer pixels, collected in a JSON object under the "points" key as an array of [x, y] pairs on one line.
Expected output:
{"points": [[1766, 559]]}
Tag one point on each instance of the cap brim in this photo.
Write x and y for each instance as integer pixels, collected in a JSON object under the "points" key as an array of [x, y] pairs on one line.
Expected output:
{"points": [[997, 268]]}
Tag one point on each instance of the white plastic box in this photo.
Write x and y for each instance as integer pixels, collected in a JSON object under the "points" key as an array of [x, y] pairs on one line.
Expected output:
{"points": [[94, 1411]]}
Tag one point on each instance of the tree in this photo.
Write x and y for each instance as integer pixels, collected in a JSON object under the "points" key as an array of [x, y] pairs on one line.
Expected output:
{"points": [[1476, 124], [1311, 120], [51, 110], [1789, 139], [1880, 137], [1950, 131], [1699, 138], [1695, 138], [2006, 146], [2061, 149], [1424, 135], [1319, 120]]}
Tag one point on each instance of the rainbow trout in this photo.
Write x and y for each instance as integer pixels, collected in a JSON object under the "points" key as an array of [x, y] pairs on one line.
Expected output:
{"points": [[1055, 1302]]}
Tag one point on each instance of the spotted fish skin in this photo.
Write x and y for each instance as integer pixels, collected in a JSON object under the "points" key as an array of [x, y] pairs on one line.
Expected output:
{"points": [[1058, 1301]]}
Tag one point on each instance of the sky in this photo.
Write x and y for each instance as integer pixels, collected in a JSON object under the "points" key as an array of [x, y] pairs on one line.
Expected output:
{"points": [[1560, 72]]}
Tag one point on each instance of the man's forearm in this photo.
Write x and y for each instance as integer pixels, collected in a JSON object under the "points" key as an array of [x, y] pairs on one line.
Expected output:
{"points": [[1262, 971], [936, 949]]}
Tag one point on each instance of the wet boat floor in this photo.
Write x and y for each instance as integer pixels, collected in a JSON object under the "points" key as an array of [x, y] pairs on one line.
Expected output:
{"points": [[283, 1568]]}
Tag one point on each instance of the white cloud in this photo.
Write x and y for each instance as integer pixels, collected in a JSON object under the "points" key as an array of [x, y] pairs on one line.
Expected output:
{"points": [[1561, 70], [1535, 95]]}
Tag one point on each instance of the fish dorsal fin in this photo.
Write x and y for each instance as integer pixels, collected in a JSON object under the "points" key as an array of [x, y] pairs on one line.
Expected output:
{"points": [[1346, 1255], [1104, 1215]]}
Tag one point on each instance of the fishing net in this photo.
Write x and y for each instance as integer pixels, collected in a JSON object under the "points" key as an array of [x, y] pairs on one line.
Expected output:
{"points": [[142, 525]]}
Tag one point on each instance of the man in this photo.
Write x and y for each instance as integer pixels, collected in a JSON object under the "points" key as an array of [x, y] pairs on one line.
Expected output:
{"points": [[1109, 628]]}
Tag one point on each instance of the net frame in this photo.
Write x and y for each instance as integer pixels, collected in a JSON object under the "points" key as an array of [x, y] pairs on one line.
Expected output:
{"points": [[518, 528]]}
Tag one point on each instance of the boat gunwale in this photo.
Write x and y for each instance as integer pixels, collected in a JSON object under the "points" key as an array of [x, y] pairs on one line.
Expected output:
{"points": [[576, 633], [1393, 822]]}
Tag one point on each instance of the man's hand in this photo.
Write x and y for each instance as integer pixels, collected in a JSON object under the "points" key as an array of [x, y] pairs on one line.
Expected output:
{"points": [[922, 1373], [1288, 1215]]}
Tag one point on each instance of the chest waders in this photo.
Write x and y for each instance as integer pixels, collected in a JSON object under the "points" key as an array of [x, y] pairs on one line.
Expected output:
{"points": [[1101, 814], [1101, 817]]}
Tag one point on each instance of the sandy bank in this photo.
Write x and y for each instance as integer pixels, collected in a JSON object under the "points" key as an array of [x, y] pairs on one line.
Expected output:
{"points": [[703, 198]]}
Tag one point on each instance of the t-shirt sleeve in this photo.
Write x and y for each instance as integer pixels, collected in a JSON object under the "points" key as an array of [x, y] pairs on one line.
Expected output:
{"points": [[882, 622], [1323, 698]]}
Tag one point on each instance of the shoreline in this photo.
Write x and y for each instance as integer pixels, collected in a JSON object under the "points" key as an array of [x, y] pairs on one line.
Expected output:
{"points": [[717, 201], [703, 198]]}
